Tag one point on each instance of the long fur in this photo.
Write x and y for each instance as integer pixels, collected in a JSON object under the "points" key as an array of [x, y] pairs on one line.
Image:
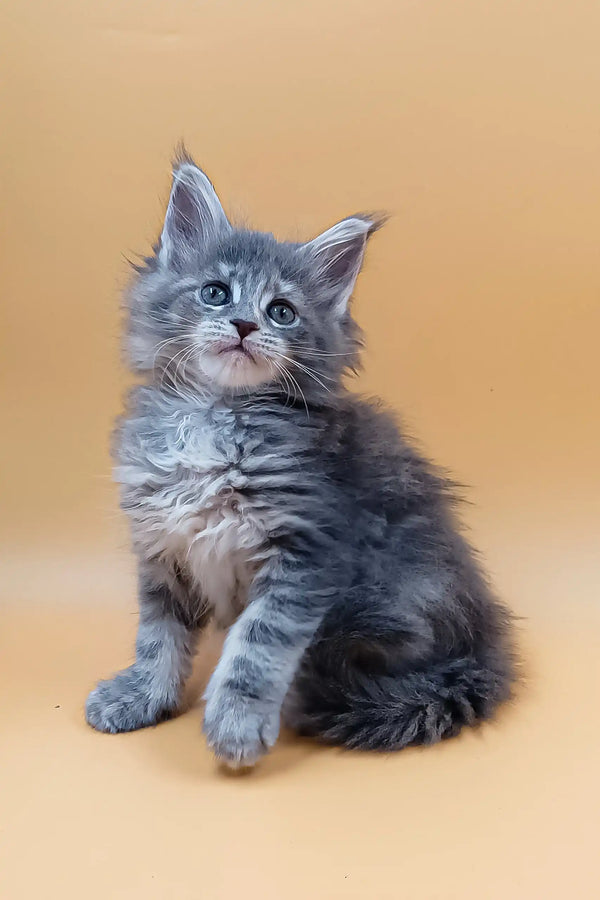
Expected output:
{"points": [[264, 493]]}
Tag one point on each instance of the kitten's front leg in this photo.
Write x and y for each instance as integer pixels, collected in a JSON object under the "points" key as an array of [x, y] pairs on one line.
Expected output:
{"points": [[260, 657], [149, 690]]}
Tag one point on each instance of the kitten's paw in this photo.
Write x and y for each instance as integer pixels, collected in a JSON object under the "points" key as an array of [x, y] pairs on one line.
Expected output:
{"points": [[127, 702], [239, 730]]}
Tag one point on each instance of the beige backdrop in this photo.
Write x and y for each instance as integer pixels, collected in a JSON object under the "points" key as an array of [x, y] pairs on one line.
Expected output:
{"points": [[476, 126]]}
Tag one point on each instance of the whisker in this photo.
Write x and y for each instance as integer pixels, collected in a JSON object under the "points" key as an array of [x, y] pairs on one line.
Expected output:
{"points": [[310, 372], [311, 349], [286, 374], [286, 381], [296, 383], [183, 361]]}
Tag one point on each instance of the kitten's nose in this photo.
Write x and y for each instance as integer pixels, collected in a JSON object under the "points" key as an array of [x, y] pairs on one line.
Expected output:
{"points": [[244, 328]]}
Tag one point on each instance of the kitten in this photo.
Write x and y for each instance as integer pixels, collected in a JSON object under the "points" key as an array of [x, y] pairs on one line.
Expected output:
{"points": [[262, 493]]}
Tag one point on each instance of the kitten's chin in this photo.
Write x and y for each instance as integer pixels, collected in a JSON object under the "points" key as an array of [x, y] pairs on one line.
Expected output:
{"points": [[235, 370]]}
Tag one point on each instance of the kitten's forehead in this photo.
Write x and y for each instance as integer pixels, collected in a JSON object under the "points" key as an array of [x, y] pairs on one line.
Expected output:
{"points": [[258, 255], [251, 281]]}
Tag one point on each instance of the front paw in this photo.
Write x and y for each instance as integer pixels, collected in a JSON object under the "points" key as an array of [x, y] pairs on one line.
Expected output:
{"points": [[239, 730], [127, 702]]}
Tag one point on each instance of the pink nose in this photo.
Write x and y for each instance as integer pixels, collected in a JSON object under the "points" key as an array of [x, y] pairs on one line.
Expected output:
{"points": [[244, 328]]}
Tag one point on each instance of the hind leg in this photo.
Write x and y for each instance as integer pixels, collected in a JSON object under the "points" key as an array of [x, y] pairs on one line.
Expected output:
{"points": [[373, 699], [406, 663], [355, 642]]}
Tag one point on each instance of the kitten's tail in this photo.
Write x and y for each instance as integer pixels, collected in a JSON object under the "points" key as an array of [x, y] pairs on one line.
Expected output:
{"points": [[389, 712]]}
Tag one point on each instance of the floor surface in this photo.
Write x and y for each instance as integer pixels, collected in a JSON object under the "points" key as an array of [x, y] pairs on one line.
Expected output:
{"points": [[507, 811]]}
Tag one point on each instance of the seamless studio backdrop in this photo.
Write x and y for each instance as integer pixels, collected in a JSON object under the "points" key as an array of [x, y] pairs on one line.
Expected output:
{"points": [[476, 127]]}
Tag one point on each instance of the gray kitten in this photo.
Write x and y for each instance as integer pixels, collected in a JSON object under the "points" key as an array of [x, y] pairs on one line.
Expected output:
{"points": [[262, 493]]}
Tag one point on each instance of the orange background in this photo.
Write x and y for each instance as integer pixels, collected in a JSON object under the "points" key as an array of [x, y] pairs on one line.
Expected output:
{"points": [[476, 126]]}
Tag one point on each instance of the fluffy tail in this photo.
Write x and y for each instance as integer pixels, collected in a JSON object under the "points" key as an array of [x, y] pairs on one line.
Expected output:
{"points": [[389, 712]]}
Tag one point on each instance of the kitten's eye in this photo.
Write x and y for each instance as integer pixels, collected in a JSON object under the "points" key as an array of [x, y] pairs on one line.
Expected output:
{"points": [[215, 294], [281, 313]]}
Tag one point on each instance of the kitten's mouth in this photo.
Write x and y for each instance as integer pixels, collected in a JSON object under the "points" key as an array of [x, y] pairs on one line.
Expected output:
{"points": [[233, 363], [237, 350]]}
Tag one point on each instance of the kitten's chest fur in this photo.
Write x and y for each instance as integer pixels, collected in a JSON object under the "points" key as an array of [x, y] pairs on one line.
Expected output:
{"points": [[184, 484]]}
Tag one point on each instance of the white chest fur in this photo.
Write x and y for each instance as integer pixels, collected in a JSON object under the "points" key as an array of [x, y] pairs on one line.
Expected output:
{"points": [[184, 491]]}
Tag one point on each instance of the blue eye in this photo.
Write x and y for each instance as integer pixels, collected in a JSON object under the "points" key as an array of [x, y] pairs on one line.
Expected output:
{"points": [[281, 313], [215, 294]]}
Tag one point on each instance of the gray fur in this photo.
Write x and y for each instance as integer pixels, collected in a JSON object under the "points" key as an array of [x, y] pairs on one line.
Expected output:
{"points": [[262, 492], [149, 690]]}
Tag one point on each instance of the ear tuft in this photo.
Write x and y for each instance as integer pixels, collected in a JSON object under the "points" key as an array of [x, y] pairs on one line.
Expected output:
{"points": [[375, 220], [182, 157]]}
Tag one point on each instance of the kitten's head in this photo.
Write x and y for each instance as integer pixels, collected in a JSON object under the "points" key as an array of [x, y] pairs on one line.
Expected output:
{"points": [[228, 310]]}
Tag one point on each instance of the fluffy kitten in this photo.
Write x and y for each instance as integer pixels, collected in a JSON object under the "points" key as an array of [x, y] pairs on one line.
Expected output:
{"points": [[264, 494]]}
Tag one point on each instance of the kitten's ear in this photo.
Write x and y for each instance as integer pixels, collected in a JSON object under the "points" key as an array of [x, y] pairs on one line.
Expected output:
{"points": [[338, 255], [194, 215]]}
